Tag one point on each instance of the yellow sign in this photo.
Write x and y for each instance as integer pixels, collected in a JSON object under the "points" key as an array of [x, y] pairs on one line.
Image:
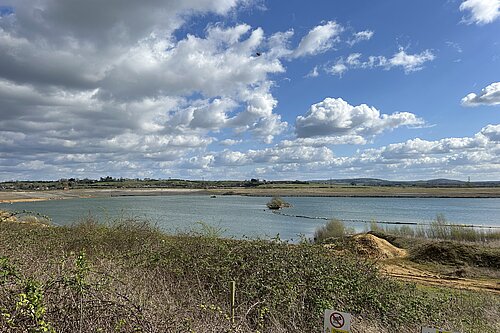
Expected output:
{"points": [[336, 330]]}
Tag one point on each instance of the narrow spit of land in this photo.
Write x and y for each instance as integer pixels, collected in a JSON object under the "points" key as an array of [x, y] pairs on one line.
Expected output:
{"points": [[285, 191]]}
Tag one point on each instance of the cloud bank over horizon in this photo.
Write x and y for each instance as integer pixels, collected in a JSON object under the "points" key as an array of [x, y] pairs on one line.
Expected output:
{"points": [[188, 89]]}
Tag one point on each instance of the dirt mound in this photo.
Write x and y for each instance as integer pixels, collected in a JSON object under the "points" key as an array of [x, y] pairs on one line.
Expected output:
{"points": [[367, 246], [372, 247], [7, 216], [453, 253]]}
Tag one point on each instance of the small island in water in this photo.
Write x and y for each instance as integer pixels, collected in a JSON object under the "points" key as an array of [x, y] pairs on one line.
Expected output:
{"points": [[277, 203]]}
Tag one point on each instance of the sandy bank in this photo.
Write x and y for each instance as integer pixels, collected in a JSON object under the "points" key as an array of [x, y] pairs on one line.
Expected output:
{"points": [[28, 196]]}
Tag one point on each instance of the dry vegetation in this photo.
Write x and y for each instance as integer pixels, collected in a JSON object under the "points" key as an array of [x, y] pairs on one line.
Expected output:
{"points": [[128, 277], [363, 191]]}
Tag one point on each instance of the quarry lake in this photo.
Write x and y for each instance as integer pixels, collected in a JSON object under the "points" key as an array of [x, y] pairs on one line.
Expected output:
{"points": [[241, 216]]}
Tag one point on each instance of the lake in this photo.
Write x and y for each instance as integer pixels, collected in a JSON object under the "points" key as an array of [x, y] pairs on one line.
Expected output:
{"points": [[241, 216]]}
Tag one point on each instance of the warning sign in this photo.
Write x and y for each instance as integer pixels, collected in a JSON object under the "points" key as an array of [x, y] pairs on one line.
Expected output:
{"points": [[337, 322], [435, 330]]}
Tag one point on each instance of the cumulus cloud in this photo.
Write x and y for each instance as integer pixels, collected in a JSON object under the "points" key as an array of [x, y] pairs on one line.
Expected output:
{"points": [[94, 88], [117, 83], [334, 117], [320, 39], [488, 96], [274, 155], [491, 132], [414, 158], [457, 156], [481, 11], [339, 68], [408, 62]]}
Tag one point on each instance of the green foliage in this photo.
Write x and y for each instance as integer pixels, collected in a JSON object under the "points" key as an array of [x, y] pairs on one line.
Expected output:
{"points": [[334, 228], [77, 280], [7, 271], [277, 203], [30, 309], [22, 304], [128, 277], [374, 226]]}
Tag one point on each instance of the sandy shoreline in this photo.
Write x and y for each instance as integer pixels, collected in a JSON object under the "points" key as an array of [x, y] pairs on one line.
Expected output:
{"points": [[31, 196], [375, 192]]}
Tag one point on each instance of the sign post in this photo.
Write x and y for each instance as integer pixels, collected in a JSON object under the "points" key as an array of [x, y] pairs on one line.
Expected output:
{"points": [[337, 322]]}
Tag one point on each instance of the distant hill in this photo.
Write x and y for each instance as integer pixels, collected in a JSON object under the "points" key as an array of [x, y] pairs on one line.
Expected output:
{"points": [[441, 182]]}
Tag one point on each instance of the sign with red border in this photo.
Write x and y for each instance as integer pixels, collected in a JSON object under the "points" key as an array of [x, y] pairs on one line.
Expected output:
{"points": [[337, 322]]}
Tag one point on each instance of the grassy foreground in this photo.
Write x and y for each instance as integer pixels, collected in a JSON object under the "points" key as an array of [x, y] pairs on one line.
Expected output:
{"points": [[129, 277]]}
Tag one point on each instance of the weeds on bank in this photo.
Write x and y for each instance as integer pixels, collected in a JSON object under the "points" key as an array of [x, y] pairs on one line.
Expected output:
{"points": [[334, 228], [128, 277], [440, 229]]}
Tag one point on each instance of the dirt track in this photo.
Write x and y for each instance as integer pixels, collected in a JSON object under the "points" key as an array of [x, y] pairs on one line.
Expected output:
{"points": [[405, 271], [393, 262]]}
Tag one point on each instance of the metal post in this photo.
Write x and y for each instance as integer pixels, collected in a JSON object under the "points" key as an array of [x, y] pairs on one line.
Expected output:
{"points": [[233, 297]]}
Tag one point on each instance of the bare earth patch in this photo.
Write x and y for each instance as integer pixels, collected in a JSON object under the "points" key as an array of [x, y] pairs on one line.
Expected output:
{"points": [[394, 262], [406, 271], [367, 246], [373, 247]]}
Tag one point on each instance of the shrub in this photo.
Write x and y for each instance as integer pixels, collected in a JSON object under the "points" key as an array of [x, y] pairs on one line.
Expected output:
{"points": [[130, 278], [334, 228], [277, 203]]}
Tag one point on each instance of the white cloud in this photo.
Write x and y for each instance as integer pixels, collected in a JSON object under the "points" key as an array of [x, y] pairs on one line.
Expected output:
{"points": [[275, 155], [123, 90], [145, 92], [491, 132], [360, 36], [334, 117], [412, 159], [86, 87], [488, 96], [458, 156], [313, 73], [230, 142], [481, 11], [338, 69], [231, 158], [320, 39], [198, 162], [408, 62], [350, 139]]}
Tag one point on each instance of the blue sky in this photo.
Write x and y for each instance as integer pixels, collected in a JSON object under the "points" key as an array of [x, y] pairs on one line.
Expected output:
{"points": [[239, 89]]}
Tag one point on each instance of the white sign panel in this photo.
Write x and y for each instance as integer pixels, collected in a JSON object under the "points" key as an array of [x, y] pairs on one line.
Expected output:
{"points": [[337, 322], [435, 330]]}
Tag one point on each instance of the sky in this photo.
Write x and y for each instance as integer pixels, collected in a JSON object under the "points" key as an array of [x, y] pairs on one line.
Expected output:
{"points": [[240, 89]]}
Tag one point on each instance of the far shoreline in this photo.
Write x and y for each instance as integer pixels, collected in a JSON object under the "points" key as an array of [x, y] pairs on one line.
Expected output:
{"points": [[303, 191]]}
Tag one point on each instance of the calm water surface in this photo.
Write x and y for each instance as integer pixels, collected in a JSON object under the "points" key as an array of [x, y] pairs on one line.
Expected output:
{"points": [[248, 217]]}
